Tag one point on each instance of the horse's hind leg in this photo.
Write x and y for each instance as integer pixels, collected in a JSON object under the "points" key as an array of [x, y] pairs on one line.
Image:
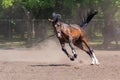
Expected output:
{"points": [[65, 51], [91, 53], [80, 45]]}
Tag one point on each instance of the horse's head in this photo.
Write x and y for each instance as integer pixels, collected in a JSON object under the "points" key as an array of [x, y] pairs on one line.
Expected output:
{"points": [[56, 23], [56, 18]]}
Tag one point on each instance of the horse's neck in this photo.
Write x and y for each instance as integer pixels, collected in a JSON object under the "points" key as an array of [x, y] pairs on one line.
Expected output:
{"points": [[64, 24]]}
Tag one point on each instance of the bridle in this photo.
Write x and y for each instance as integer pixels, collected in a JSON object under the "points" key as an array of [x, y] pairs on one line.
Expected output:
{"points": [[58, 26]]}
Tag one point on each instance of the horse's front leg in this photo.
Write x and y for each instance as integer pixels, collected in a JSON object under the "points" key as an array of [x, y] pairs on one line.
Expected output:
{"points": [[65, 51], [71, 46]]}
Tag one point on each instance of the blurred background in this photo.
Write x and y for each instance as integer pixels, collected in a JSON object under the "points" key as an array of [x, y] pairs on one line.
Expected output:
{"points": [[24, 22]]}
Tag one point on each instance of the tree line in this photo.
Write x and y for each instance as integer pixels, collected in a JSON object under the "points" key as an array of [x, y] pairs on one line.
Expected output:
{"points": [[69, 9]]}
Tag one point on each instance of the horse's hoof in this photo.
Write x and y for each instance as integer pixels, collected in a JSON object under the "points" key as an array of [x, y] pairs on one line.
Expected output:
{"points": [[72, 58], [75, 55], [97, 63], [93, 63]]}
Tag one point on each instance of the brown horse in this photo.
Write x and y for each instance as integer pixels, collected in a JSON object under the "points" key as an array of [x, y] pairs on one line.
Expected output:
{"points": [[74, 35]]}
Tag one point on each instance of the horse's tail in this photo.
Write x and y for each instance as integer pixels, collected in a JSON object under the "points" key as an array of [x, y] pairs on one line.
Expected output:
{"points": [[90, 15]]}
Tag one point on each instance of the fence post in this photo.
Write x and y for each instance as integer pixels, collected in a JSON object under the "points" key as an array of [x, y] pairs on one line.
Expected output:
{"points": [[29, 36], [9, 29]]}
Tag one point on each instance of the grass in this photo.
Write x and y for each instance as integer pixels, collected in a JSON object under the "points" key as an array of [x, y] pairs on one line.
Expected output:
{"points": [[96, 44], [8, 44]]}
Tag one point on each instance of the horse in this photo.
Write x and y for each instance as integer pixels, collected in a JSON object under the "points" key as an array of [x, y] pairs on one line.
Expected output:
{"points": [[74, 35]]}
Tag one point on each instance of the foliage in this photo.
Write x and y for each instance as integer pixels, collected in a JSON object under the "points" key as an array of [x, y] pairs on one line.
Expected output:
{"points": [[7, 3], [38, 3], [29, 3]]}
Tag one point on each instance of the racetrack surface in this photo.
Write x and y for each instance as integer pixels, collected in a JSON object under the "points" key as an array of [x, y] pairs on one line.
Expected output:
{"points": [[47, 62]]}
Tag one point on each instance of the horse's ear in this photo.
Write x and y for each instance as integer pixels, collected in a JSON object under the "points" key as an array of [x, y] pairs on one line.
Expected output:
{"points": [[50, 20], [54, 15]]}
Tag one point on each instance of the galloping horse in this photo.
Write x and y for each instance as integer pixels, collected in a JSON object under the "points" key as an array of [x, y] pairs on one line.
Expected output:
{"points": [[74, 35]]}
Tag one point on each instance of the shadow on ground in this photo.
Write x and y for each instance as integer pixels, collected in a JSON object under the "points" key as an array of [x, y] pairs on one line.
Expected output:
{"points": [[52, 65]]}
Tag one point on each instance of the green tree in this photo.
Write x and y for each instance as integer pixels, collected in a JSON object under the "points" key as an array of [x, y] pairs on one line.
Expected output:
{"points": [[109, 9], [7, 3]]}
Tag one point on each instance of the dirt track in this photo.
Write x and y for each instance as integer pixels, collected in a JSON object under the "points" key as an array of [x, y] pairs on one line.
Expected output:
{"points": [[49, 63]]}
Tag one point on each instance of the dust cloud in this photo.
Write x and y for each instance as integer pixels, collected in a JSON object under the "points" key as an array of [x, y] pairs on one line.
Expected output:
{"points": [[50, 50]]}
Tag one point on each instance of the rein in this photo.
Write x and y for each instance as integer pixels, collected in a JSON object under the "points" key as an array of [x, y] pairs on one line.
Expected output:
{"points": [[35, 43]]}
